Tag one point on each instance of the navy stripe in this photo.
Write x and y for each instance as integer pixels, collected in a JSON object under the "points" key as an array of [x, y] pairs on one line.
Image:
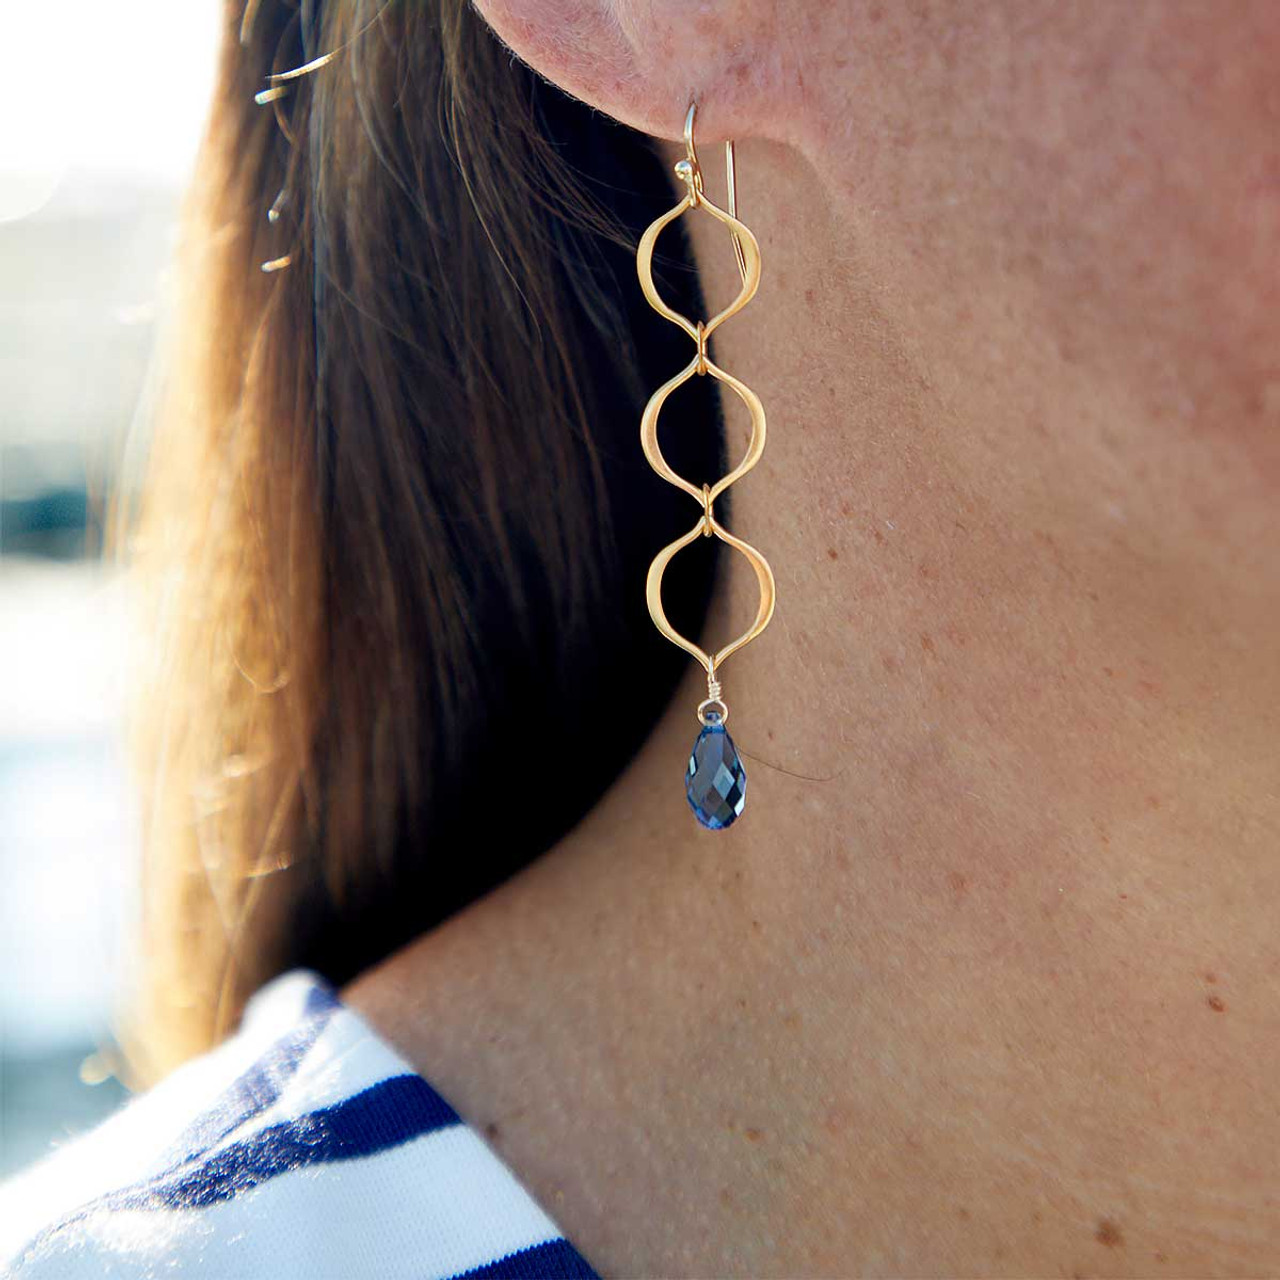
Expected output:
{"points": [[385, 1115], [258, 1088], [555, 1260]]}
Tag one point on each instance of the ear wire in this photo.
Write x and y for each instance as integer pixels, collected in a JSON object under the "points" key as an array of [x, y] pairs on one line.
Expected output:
{"points": [[693, 169]]}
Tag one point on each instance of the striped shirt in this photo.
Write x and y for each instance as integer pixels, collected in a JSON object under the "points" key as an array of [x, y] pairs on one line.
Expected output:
{"points": [[302, 1147]]}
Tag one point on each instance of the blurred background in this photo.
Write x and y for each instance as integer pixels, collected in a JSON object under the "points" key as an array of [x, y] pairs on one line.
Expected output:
{"points": [[102, 108]]}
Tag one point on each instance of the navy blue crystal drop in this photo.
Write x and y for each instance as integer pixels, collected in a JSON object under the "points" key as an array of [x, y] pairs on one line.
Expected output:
{"points": [[716, 782]]}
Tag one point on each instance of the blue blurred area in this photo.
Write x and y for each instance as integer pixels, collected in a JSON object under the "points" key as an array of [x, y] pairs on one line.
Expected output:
{"points": [[91, 177], [65, 888], [82, 281]]}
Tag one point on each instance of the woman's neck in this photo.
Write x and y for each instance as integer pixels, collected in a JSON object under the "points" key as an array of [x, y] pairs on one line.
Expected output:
{"points": [[984, 978]]}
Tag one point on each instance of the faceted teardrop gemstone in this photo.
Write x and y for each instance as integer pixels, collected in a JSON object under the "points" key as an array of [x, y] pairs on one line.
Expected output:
{"points": [[716, 782]]}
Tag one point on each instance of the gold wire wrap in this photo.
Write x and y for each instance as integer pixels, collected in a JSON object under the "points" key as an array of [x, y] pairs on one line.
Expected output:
{"points": [[747, 252]]}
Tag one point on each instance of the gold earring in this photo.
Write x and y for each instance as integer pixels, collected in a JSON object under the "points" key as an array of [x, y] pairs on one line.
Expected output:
{"points": [[715, 781]]}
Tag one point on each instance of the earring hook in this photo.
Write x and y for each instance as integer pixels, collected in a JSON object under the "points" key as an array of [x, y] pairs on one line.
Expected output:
{"points": [[691, 171]]}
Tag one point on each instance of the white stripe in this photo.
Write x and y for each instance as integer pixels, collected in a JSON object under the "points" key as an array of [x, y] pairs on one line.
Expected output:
{"points": [[431, 1208]]}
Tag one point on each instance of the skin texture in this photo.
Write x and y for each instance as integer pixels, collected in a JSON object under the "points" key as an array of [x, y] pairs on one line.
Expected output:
{"points": [[986, 981]]}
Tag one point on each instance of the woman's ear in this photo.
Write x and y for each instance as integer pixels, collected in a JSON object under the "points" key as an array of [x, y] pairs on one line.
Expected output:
{"points": [[644, 61]]}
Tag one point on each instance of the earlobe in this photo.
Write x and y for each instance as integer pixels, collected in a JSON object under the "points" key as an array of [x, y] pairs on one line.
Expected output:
{"points": [[644, 61]]}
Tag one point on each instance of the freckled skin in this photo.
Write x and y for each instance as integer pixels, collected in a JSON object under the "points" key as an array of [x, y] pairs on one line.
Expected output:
{"points": [[1017, 327], [1109, 1234]]}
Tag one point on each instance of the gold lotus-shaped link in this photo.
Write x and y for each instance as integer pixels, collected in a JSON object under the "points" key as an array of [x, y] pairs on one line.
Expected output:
{"points": [[748, 254]]}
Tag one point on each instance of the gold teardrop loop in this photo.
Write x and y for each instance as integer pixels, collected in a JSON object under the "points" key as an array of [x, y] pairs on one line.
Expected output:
{"points": [[750, 253], [764, 581], [649, 430]]}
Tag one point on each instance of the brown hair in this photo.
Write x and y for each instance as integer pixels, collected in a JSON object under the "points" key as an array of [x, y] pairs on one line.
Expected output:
{"points": [[396, 522]]}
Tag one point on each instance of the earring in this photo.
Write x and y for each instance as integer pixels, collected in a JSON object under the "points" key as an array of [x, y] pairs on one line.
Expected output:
{"points": [[715, 782]]}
